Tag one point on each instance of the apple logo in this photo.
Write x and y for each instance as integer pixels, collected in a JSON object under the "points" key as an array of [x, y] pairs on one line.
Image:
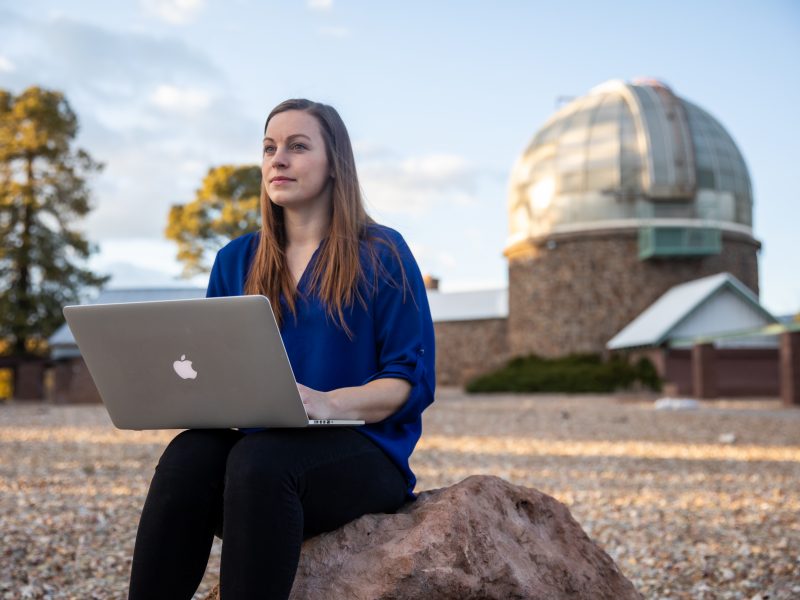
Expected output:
{"points": [[184, 368]]}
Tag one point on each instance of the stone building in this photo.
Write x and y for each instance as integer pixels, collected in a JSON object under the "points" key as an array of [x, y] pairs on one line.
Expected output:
{"points": [[621, 195]]}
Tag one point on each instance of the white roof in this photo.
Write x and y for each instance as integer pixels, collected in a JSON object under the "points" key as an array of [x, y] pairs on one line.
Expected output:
{"points": [[468, 306], [711, 305]]}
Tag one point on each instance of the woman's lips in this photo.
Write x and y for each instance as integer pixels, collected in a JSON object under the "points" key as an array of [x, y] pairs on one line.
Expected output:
{"points": [[282, 181]]}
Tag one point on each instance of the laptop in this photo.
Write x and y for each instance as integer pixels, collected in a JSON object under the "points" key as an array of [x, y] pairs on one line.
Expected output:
{"points": [[198, 363]]}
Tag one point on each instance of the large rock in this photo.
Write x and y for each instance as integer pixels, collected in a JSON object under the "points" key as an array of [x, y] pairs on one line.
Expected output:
{"points": [[481, 538]]}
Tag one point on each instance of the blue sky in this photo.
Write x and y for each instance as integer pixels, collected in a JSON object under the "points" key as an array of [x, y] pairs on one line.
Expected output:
{"points": [[440, 98]]}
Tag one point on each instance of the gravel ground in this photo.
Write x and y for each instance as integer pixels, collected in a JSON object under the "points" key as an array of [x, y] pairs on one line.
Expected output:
{"points": [[691, 504]]}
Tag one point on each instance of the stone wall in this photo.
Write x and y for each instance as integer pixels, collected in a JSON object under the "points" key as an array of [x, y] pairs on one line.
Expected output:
{"points": [[573, 293], [465, 349]]}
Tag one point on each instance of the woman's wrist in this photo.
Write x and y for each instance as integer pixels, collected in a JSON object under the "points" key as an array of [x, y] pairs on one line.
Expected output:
{"points": [[333, 400]]}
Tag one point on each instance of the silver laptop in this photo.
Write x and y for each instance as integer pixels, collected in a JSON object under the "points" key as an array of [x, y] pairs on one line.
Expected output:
{"points": [[199, 363]]}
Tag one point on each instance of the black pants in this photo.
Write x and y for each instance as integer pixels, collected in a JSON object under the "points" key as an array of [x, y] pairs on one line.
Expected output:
{"points": [[269, 491]]}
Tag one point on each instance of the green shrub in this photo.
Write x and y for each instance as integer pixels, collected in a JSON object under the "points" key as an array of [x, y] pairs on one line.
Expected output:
{"points": [[577, 373], [647, 374]]}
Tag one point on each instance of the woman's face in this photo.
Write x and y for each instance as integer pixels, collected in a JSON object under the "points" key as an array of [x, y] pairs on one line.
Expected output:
{"points": [[295, 167]]}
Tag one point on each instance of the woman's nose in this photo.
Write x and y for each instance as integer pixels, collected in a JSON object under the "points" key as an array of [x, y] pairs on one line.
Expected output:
{"points": [[279, 158]]}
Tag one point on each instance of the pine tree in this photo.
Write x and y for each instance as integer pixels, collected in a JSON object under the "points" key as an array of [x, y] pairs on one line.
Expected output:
{"points": [[43, 191], [226, 206]]}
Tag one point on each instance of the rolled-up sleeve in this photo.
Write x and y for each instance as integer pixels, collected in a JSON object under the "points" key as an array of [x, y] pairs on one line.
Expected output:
{"points": [[404, 330]]}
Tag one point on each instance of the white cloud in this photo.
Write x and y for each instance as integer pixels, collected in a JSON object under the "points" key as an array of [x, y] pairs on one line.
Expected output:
{"points": [[193, 168], [438, 169], [177, 99], [337, 32], [446, 260], [155, 110], [141, 262], [146, 173], [415, 185], [6, 66], [366, 150], [420, 251], [104, 65], [128, 275], [320, 4], [474, 234], [176, 12]]}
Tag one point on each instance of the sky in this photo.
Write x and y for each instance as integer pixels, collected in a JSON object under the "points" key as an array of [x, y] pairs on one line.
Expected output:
{"points": [[440, 98]]}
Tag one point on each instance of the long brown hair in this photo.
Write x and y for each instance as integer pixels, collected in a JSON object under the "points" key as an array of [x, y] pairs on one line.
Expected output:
{"points": [[337, 275]]}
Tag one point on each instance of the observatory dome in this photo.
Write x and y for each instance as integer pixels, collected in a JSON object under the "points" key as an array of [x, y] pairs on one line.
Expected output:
{"points": [[630, 155]]}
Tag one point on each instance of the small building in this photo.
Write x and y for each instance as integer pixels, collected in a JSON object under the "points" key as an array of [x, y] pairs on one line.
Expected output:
{"points": [[719, 308]]}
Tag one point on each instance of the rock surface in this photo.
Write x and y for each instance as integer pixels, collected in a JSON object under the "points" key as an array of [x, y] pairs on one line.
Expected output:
{"points": [[481, 538]]}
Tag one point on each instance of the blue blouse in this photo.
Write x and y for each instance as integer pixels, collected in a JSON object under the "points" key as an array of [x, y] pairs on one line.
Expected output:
{"points": [[393, 337]]}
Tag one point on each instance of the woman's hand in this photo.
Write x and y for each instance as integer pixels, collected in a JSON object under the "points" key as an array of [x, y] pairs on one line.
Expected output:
{"points": [[318, 404], [371, 402]]}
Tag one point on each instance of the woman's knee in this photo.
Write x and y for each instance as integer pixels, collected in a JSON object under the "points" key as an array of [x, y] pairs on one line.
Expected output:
{"points": [[201, 450], [259, 459]]}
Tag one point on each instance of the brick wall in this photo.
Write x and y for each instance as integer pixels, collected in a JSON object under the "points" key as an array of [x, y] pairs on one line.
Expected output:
{"points": [[465, 349]]}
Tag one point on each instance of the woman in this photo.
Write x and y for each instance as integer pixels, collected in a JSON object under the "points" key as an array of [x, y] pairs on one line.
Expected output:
{"points": [[354, 317]]}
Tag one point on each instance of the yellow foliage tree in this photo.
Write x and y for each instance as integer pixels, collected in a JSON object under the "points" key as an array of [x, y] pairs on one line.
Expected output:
{"points": [[226, 206], [43, 192]]}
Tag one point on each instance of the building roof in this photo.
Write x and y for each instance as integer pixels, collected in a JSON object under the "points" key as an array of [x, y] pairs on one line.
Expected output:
{"points": [[711, 305], [468, 306]]}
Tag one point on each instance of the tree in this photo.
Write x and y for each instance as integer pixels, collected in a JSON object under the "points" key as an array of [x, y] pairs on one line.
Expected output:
{"points": [[43, 191], [226, 206]]}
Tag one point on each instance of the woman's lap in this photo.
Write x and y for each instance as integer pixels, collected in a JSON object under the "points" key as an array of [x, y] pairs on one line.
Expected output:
{"points": [[337, 473]]}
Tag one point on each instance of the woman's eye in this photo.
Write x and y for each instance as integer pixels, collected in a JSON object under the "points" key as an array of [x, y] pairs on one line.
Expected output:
{"points": [[299, 147], [269, 149]]}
